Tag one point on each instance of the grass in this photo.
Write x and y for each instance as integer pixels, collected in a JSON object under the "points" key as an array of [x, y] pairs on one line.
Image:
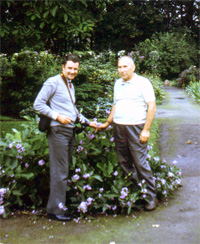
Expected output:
{"points": [[7, 126]]}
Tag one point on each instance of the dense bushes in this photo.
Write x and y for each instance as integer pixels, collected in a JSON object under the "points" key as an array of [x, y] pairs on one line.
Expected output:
{"points": [[96, 181], [191, 74], [24, 73], [166, 54], [22, 76]]}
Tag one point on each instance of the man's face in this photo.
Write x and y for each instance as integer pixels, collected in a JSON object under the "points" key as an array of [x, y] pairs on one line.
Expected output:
{"points": [[70, 70], [125, 68]]}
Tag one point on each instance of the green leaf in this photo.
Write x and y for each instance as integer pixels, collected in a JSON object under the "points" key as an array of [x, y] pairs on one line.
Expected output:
{"points": [[17, 193], [110, 195], [42, 25], [26, 176], [15, 32], [65, 18], [46, 14], [98, 177], [53, 12], [14, 164], [32, 17]]}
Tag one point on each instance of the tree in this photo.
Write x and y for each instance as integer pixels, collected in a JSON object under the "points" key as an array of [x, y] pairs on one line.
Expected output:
{"points": [[56, 25]]}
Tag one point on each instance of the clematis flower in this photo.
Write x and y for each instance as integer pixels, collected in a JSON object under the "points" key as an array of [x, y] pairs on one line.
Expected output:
{"points": [[87, 187], [75, 177], [41, 162], [77, 170], [112, 139], [101, 190], [86, 175], [82, 207], [124, 193]]}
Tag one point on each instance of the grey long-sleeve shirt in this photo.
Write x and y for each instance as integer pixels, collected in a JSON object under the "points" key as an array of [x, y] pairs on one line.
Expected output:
{"points": [[55, 91]]}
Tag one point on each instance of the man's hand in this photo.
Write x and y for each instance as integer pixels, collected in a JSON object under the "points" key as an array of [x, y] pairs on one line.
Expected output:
{"points": [[63, 119], [93, 124], [144, 136]]}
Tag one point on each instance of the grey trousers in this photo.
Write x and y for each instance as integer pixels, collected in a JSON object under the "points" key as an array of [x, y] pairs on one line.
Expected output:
{"points": [[61, 146], [132, 155]]}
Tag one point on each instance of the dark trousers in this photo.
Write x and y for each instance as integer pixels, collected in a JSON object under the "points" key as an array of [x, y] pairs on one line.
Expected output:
{"points": [[132, 154], [61, 146]]}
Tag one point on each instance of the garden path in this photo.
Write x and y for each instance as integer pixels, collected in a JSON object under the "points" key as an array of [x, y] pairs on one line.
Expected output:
{"points": [[175, 221]]}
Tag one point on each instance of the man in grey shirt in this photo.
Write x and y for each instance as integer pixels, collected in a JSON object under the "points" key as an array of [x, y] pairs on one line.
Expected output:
{"points": [[62, 111]]}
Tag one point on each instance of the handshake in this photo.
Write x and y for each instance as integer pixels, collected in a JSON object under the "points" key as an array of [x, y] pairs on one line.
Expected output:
{"points": [[99, 126]]}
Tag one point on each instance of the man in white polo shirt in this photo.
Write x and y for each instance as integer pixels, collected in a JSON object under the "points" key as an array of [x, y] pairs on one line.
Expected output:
{"points": [[132, 115]]}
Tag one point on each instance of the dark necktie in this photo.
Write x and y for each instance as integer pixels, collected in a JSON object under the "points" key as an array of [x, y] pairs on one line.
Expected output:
{"points": [[69, 83]]}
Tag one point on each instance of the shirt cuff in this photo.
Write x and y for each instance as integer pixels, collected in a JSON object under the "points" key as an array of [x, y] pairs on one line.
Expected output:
{"points": [[55, 115]]}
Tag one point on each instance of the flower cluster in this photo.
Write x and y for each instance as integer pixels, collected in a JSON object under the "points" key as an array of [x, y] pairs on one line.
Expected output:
{"points": [[2, 195], [124, 193], [83, 207]]}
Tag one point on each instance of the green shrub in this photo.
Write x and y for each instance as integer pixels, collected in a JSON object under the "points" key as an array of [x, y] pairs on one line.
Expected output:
{"points": [[188, 75], [96, 181], [23, 77], [165, 54], [193, 89], [27, 72]]}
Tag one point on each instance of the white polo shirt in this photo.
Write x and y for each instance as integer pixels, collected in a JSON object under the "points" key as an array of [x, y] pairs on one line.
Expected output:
{"points": [[131, 98]]}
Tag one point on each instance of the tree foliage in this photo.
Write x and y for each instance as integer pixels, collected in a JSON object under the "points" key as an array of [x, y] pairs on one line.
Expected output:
{"points": [[62, 26]]}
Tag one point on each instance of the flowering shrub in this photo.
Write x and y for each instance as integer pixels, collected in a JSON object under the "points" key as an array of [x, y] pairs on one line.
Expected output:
{"points": [[96, 182], [166, 54], [94, 83]]}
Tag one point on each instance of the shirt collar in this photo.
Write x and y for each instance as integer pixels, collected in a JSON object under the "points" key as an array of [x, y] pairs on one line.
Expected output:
{"points": [[129, 81]]}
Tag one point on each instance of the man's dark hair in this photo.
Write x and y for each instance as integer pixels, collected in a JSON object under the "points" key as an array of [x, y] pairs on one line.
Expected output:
{"points": [[71, 57]]}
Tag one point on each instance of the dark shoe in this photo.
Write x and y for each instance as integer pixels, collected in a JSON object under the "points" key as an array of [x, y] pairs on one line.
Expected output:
{"points": [[151, 205], [59, 217]]}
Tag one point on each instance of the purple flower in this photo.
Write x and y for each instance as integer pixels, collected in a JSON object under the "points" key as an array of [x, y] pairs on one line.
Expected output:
{"points": [[90, 200], [163, 181], [2, 210], [10, 145], [90, 136], [156, 159], [174, 162], [62, 206], [154, 67], [107, 149], [101, 190], [18, 146], [115, 173], [124, 193], [114, 208], [112, 139], [81, 142], [144, 191], [26, 165], [77, 170], [86, 175], [41, 162], [148, 156], [75, 177], [149, 147], [87, 187], [170, 174], [80, 148], [82, 207]]}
